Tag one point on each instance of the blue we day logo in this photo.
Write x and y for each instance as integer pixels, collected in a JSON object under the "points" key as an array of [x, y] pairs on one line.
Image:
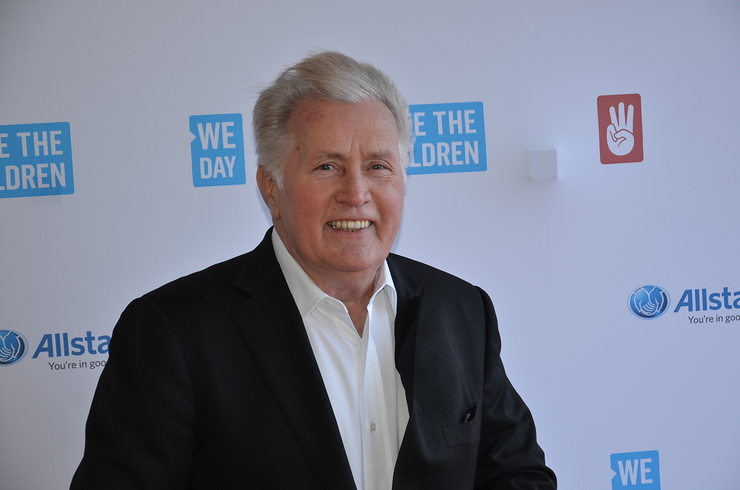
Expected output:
{"points": [[36, 160], [217, 150], [449, 138], [638, 471]]}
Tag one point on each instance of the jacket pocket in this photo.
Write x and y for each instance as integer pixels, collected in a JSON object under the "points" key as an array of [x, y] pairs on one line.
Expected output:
{"points": [[464, 432]]}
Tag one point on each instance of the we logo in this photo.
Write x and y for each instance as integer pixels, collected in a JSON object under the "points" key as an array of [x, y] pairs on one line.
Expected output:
{"points": [[638, 471], [217, 150]]}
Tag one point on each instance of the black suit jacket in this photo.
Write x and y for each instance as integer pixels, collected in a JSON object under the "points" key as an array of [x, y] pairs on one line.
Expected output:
{"points": [[211, 383]]}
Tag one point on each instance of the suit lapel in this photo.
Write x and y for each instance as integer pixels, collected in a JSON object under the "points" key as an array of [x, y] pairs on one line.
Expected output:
{"points": [[273, 330], [413, 463], [410, 291]]}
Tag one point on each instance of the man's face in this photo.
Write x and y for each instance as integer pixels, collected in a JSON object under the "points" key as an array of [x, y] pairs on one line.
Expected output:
{"points": [[342, 198]]}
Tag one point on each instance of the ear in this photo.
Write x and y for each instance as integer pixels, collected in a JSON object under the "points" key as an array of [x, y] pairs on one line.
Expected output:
{"points": [[269, 190]]}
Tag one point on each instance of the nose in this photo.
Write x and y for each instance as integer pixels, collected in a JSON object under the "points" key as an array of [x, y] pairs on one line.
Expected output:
{"points": [[354, 190]]}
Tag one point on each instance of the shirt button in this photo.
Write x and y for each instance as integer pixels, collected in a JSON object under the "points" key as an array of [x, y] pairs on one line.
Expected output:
{"points": [[372, 427]]}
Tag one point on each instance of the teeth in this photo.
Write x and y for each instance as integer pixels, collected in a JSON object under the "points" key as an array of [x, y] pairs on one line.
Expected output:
{"points": [[349, 225]]}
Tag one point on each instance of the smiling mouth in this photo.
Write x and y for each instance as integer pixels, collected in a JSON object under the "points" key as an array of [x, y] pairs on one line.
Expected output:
{"points": [[349, 225]]}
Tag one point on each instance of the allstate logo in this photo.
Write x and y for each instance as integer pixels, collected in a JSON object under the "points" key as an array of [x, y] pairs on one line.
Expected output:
{"points": [[13, 347], [649, 302]]}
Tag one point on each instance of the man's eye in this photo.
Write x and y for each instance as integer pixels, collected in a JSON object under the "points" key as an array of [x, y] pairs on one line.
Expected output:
{"points": [[378, 166], [325, 166]]}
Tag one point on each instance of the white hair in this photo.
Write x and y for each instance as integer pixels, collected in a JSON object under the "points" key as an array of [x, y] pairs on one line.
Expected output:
{"points": [[327, 76]]}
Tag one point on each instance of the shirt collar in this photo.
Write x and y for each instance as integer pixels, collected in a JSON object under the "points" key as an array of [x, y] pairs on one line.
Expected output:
{"points": [[307, 294]]}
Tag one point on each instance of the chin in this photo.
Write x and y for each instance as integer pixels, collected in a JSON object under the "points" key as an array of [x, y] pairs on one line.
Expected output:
{"points": [[352, 263]]}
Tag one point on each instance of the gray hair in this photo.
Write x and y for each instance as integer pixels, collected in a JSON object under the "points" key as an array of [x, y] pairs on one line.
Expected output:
{"points": [[327, 76]]}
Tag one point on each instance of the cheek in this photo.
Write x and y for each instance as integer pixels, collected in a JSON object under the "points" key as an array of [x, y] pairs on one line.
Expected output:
{"points": [[305, 207], [393, 207]]}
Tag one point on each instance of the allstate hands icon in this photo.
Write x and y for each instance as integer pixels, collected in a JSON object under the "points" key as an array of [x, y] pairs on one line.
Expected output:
{"points": [[619, 134]]}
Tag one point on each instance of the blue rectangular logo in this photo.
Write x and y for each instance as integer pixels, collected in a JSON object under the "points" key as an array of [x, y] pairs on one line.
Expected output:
{"points": [[36, 160], [638, 471], [449, 138], [217, 150]]}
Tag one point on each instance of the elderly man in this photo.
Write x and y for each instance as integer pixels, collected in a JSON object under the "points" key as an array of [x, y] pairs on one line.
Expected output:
{"points": [[318, 360]]}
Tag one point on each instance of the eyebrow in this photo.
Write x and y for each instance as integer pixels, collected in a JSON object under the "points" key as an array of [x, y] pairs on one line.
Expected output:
{"points": [[332, 155]]}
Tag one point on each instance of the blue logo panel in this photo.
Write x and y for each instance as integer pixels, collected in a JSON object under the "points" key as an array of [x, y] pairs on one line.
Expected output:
{"points": [[638, 471], [449, 138], [13, 347], [217, 150], [36, 160]]}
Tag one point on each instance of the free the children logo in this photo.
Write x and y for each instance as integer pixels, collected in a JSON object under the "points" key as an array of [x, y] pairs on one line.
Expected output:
{"points": [[620, 128], [36, 160], [448, 138]]}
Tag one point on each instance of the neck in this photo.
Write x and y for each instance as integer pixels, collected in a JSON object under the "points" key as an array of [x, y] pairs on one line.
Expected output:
{"points": [[352, 289]]}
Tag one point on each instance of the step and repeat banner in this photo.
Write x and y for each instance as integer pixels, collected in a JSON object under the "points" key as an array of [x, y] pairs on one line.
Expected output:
{"points": [[578, 160]]}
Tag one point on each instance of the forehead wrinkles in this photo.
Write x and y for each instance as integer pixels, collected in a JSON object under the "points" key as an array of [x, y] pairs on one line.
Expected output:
{"points": [[301, 119], [374, 133]]}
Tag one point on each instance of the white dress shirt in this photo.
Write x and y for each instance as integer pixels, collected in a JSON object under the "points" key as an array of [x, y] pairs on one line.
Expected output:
{"points": [[359, 372]]}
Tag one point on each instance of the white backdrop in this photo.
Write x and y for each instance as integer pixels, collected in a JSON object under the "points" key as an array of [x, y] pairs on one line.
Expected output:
{"points": [[560, 257]]}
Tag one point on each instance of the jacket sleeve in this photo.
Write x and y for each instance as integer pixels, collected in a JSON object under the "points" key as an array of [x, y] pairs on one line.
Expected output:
{"points": [[140, 430], [509, 457]]}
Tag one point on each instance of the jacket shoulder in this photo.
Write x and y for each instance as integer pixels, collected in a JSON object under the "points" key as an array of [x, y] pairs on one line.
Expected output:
{"points": [[214, 278], [426, 273], [441, 288], [218, 279]]}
